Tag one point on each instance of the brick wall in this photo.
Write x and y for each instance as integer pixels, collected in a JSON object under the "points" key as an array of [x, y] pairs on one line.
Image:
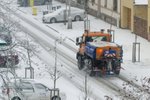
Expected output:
{"points": [[140, 27]]}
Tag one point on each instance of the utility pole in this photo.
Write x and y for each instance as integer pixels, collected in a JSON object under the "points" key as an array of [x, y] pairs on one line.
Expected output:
{"points": [[69, 16], [65, 14], [49, 6], [86, 6]]}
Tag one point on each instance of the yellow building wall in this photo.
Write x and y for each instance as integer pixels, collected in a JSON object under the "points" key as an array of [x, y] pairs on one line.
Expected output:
{"points": [[141, 11], [127, 3], [148, 18], [126, 10]]}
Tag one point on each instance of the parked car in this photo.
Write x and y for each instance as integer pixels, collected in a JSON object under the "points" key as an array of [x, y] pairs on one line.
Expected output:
{"points": [[32, 90], [5, 35], [59, 15], [8, 60], [54, 8]]}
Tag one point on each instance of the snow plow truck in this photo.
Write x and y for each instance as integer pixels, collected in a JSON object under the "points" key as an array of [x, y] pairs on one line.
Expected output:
{"points": [[98, 53]]}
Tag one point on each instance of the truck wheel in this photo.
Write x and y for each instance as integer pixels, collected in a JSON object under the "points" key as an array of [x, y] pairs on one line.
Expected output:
{"points": [[15, 98], [117, 72], [55, 98], [90, 64], [53, 20], [77, 18], [80, 63], [92, 73], [117, 68]]}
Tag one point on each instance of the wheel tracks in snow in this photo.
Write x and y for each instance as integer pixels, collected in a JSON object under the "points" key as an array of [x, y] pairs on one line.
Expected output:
{"points": [[109, 84]]}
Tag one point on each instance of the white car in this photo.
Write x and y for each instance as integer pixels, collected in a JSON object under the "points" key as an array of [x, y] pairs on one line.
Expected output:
{"points": [[32, 90], [7, 92], [59, 15]]}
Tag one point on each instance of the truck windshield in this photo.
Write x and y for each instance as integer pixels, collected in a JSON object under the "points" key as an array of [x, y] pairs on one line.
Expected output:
{"points": [[99, 38]]}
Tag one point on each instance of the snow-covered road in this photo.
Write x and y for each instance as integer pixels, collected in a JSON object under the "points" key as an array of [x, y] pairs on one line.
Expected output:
{"points": [[46, 37]]}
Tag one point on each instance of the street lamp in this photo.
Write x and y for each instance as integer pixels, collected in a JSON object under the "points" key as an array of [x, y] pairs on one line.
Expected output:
{"points": [[55, 69]]}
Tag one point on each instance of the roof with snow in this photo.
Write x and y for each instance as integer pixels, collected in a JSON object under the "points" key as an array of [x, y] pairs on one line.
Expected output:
{"points": [[141, 2]]}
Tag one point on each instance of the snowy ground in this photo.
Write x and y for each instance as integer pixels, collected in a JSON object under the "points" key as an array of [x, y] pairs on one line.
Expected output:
{"points": [[123, 37]]}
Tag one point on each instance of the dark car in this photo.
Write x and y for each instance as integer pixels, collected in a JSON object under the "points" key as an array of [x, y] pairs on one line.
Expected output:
{"points": [[7, 92], [8, 60]]}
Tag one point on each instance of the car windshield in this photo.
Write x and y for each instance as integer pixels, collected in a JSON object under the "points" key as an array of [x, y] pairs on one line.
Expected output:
{"points": [[24, 86], [40, 87]]}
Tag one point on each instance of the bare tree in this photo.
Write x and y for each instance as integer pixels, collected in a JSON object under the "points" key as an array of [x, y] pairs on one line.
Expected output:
{"points": [[132, 91], [86, 90], [11, 27], [7, 28]]}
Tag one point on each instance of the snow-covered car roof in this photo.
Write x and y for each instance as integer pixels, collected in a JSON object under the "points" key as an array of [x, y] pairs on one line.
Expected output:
{"points": [[61, 9]]}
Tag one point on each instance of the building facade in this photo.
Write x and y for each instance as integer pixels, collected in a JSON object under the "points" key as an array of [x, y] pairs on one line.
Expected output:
{"points": [[135, 16], [107, 10], [148, 20]]}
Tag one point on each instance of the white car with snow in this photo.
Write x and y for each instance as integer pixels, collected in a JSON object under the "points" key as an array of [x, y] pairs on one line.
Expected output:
{"points": [[59, 15], [32, 90], [7, 92]]}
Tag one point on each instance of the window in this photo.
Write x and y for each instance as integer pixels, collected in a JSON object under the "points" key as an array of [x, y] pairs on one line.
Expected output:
{"points": [[99, 38], [79, 1], [93, 2], [26, 87], [105, 5], [40, 87], [115, 5]]}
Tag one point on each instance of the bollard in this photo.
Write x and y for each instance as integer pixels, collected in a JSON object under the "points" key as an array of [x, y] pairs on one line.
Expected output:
{"points": [[69, 22], [34, 11], [136, 52], [31, 69]]}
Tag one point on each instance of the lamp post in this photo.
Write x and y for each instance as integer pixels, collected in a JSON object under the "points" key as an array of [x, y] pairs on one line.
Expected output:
{"points": [[55, 69], [65, 14]]}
